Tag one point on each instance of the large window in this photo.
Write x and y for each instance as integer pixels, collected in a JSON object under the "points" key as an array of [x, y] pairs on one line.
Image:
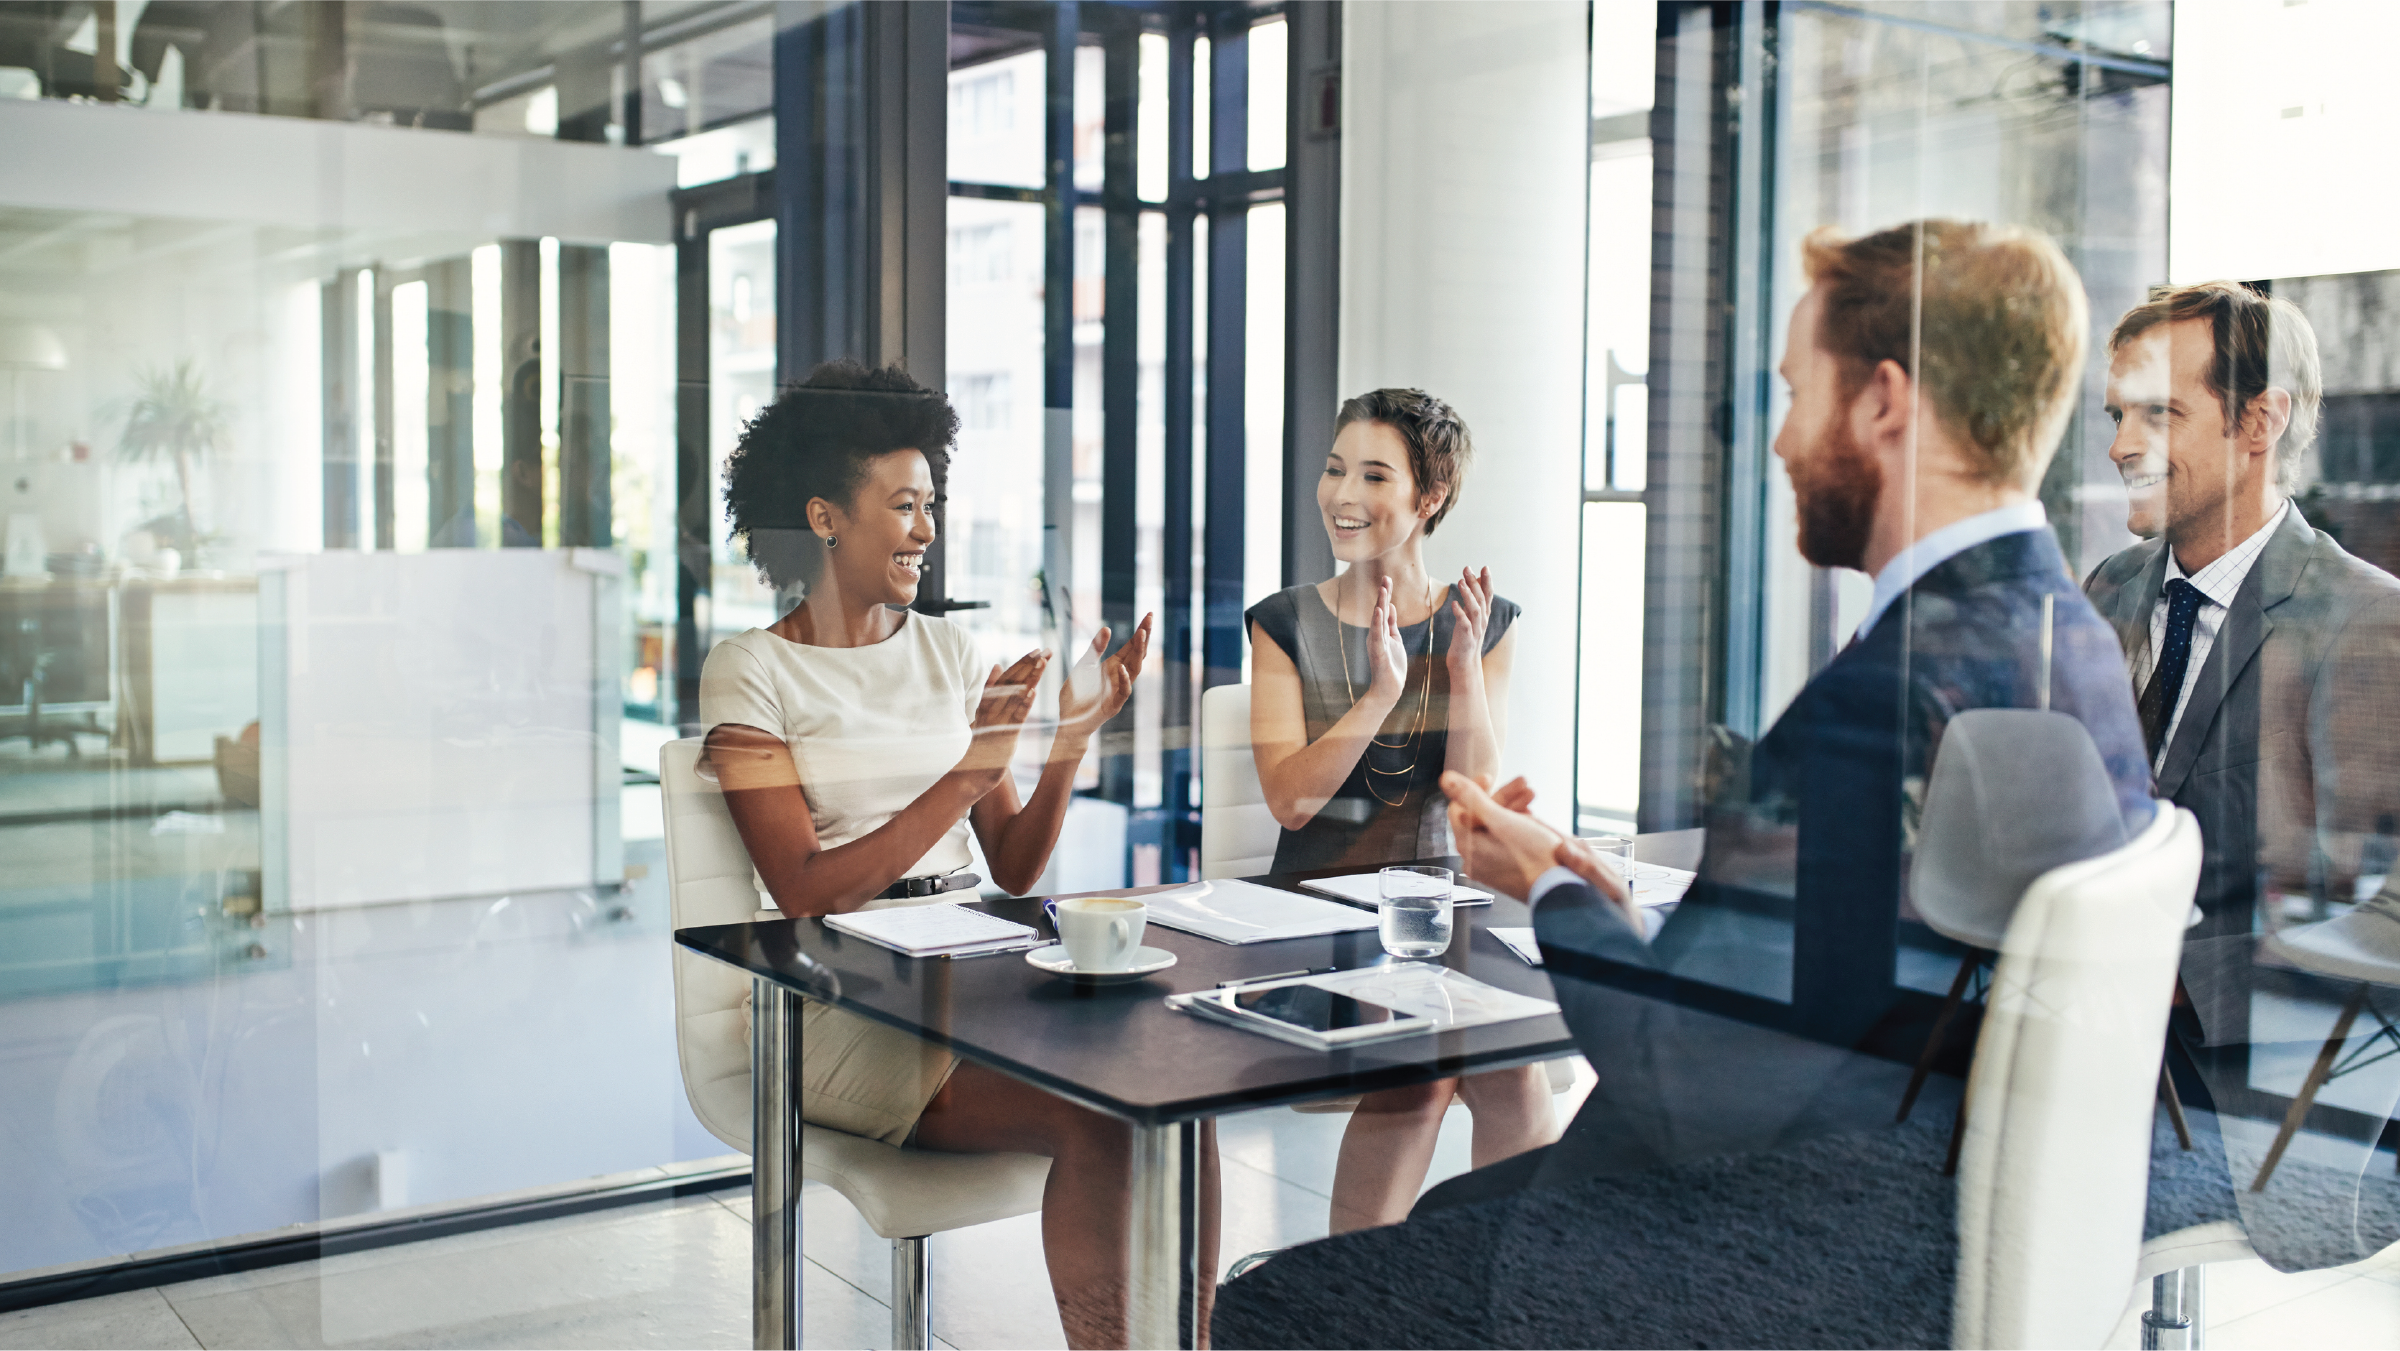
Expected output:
{"points": [[1095, 449]]}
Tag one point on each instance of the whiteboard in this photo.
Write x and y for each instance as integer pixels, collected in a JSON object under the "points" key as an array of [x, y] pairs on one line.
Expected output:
{"points": [[439, 724]]}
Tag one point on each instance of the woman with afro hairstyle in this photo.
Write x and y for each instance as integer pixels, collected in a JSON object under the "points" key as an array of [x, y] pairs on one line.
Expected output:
{"points": [[857, 741]]}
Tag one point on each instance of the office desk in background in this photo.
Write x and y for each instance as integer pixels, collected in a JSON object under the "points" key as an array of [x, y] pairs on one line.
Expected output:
{"points": [[1121, 1051]]}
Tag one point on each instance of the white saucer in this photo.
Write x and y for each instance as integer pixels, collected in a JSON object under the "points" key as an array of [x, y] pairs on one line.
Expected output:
{"points": [[1146, 962]]}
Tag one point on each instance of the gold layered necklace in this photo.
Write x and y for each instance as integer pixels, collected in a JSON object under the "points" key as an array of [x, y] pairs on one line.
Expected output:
{"points": [[1411, 741]]}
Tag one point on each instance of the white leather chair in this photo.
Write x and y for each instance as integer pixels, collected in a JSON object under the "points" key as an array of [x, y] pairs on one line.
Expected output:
{"points": [[2014, 793], [904, 1195], [2054, 1170], [1237, 832]]}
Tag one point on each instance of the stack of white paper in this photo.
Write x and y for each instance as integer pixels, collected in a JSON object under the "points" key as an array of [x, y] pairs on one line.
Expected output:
{"points": [[944, 929], [1244, 912], [1367, 889]]}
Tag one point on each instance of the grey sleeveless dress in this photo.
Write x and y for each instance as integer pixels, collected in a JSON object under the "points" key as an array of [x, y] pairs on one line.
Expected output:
{"points": [[1388, 817]]}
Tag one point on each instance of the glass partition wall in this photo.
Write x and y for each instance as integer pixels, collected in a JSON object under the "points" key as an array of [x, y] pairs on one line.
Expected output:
{"points": [[365, 529], [338, 611], [2107, 128]]}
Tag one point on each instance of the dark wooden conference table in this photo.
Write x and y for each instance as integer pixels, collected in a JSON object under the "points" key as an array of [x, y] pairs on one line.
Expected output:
{"points": [[1117, 1049]]}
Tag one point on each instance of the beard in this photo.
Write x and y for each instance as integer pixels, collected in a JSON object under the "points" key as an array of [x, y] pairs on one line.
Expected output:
{"points": [[1836, 486]]}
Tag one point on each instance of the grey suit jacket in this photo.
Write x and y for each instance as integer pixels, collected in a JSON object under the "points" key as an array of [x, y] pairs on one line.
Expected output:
{"points": [[2289, 748]]}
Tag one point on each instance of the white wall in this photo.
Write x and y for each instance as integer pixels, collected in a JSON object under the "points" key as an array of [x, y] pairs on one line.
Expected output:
{"points": [[2282, 133], [1463, 129]]}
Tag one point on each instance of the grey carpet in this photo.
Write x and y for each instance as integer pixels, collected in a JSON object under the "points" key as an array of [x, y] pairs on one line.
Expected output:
{"points": [[1848, 1240], [2311, 1216]]}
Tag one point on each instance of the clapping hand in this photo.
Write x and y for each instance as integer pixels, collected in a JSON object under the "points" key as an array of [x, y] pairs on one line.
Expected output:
{"points": [[1000, 714], [1099, 686], [1506, 847], [1472, 611], [1387, 656]]}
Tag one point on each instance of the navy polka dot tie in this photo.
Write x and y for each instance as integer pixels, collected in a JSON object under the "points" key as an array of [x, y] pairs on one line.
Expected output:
{"points": [[2166, 680]]}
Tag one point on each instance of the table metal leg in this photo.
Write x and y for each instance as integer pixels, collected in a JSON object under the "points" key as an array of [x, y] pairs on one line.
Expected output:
{"points": [[774, 1168], [1164, 1266]]}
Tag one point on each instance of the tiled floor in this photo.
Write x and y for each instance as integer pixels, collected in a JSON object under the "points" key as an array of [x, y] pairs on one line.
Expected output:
{"points": [[675, 1274]]}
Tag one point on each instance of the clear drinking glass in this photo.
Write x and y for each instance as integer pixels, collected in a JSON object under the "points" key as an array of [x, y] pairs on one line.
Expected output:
{"points": [[1415, 911], [1619, 850]]}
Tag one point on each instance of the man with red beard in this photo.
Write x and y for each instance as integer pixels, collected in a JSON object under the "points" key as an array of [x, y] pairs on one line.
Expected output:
{"points": [[1932, 368], [1749, 1056]]}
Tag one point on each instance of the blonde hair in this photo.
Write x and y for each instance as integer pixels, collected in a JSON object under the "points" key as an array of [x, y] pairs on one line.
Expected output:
{"points": [[1990, 319]]}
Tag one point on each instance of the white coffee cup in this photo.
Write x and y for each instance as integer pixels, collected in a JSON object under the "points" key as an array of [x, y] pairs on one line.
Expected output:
{"points": [[1100, 933]]}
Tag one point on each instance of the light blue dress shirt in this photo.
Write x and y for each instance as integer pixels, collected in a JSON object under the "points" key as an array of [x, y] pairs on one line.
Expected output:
{"points": [[1943, 545]]}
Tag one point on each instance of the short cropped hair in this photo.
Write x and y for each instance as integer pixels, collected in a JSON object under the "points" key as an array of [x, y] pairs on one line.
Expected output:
{"points": [[814, 441], [2262, 342], [1439, 446], [1990, 320]]}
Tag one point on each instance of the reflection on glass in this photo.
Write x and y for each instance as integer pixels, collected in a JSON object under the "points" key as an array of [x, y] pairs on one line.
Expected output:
{"points": [[993, 512], [741, 360]]}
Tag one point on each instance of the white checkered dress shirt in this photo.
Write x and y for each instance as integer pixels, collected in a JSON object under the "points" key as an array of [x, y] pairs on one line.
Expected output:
{"points": [[2217, 584]]}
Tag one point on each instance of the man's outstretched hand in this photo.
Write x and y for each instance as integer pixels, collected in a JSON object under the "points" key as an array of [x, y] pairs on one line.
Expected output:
{"points": [[1504, 846]]}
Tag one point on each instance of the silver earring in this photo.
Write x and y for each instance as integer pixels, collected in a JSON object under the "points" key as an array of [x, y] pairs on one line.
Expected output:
{"points": [[832, 540]]}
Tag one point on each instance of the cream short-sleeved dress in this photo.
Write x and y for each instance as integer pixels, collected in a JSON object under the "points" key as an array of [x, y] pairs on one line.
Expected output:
{"points": [[871, 728]]}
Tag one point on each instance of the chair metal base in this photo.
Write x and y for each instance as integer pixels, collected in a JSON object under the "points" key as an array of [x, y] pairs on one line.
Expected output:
{"points": [[912, 1304], [2172, 1322]]}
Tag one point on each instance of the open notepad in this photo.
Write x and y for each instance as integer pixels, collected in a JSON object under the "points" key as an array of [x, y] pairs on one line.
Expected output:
{"points": [[1245, 912], [1367, 889], [943, 929]]}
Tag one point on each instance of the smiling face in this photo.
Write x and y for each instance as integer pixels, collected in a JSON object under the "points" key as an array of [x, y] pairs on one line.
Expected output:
{"points": [[1367, 495], [883, 532], [2180, 463]]}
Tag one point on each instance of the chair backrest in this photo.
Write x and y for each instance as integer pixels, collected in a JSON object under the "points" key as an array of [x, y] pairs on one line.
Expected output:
{"points": [[1237, 832], [2014, 793], [708, 882], [2055, 1169]]}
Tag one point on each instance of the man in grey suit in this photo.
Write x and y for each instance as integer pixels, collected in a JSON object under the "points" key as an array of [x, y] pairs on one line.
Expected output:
{"points": [[2265, 659]]}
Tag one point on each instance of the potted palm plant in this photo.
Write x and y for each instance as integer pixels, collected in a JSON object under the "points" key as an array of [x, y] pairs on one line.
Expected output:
{"points": [[173, 416]]}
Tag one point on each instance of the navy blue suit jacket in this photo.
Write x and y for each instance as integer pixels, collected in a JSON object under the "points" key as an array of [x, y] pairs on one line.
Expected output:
{"points": [[1798, 905]]}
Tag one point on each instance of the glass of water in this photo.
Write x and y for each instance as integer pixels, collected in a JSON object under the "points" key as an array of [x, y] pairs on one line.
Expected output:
{"points": [[1618, 849], [1415, 911]]}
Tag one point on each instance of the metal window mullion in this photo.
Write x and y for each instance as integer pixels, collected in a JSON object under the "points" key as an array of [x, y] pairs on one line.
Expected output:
{"points": [[1058, 309], [386, 524], [1749, 338], [1120, 384], [1228, 282], [1175, 545], [694, 555], [339, 329]]}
